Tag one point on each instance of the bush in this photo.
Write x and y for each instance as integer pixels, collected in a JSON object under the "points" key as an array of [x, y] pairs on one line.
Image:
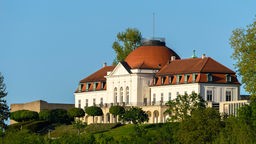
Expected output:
{"points": [[24, 115], [59, 116], [45, 115], [76, 112], [36, 126]]}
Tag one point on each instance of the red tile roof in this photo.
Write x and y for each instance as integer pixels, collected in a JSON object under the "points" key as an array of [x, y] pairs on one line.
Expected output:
{"points": [[98, 75], [194, 65], [152, 57]]}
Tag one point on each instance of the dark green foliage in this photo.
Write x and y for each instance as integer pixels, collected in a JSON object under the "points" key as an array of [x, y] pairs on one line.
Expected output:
{"points": [[18, 126], [180, 108], [203, 126], [23, 137], [24, 115], [79, 125], [74, 139], [76, 112], [36, 126], [135, 115], [243, 41], [236, 131], [94, 111], [45, 115], [59, 116], [117, 110], [126, 42], [4, 109]]}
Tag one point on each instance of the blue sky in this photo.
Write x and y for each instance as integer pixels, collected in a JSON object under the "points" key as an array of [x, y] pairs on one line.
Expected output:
{"points": [[47, 46]]}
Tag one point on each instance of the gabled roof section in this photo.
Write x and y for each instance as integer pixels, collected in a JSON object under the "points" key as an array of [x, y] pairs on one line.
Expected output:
{"points": [[194, 65], [122, 68], [98, 75]]}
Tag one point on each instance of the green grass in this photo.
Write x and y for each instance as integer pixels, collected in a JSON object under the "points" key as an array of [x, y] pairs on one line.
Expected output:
{"points": [[63, 129]]}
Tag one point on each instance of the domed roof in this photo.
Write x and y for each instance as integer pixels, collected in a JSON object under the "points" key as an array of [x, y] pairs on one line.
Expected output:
{"points": [[152, 54]]}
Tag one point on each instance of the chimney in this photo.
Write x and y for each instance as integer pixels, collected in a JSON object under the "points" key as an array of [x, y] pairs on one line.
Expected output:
{"points": [[203, 56], [173, 58], [104, 64]]}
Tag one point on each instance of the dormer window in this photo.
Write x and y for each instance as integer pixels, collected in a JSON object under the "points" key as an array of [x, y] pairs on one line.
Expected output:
{"points": [[88, 85], [163, 79], [155, 80], [95, 85], [80, 87], [170, 79], [228, 78], [186, 78], [195, 77], [209, 77], [178, 78], [103, 85]]}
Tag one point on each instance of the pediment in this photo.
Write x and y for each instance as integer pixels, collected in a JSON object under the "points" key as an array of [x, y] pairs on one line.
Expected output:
{"points": [[121, 69]]}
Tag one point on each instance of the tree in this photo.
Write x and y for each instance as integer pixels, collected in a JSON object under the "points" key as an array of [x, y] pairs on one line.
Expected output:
{"points": [[24, 115], [203, 126], [75, 112], [180, 108], [244, 44], [93, 111], [135, 115], [4, 109], [45, 115], [78, 124], [59, 116], [126, 42], [117, 110]]}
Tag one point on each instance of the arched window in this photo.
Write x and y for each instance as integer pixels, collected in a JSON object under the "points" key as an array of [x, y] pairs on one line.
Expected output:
{"points": [[121, 94], [127, 95], [115, 95]]}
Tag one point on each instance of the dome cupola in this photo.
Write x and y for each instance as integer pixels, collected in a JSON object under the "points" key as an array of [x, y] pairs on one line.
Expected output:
{"points": [[153, 54]]}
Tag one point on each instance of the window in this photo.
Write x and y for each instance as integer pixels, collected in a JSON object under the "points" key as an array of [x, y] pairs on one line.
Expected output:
{"points": [[195, 77], [79, 103], [228, 95], [154, 99], [115, 95], [177, 93], [121, 94], [155, 80], [170, 96], [170, 79], [80, 87], [162, 97], [103, 85], [88, 85], [163, 79], [178, 78], [209, 77], [228, 78], [95, 85], [186, 78], [94, 101], [127, 95], [209, 95], [86, 102], [101, 101]]}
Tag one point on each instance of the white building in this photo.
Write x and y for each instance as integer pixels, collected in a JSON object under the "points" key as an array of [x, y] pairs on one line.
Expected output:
{"points": [[153, 74]]}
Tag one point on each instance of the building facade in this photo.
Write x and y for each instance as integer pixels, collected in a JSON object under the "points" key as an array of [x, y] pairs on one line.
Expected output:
{"points": [[152, 75]]}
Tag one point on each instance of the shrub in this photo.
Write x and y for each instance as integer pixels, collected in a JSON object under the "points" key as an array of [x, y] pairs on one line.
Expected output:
{"points": [[45, 115], [76, 112], [59, 116], [24, 115]]}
